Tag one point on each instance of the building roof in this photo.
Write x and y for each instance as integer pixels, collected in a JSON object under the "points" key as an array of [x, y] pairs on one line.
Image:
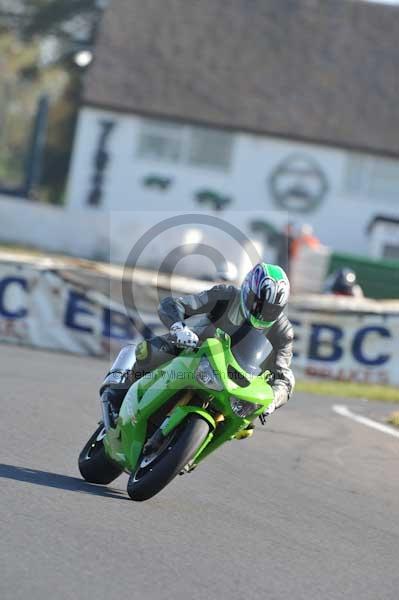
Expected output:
{"points": [[307, 69], [381, 219]]}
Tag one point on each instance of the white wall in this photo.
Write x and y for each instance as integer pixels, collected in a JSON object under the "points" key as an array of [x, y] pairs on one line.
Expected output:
{"points": [[76, 232], [340, 220], [100, 235]]}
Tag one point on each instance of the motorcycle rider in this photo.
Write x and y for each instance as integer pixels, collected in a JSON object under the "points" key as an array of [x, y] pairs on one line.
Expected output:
{"points": [[259, 303]]}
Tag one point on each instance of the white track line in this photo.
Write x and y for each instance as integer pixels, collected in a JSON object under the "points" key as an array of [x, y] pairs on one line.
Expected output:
{"points": [[345, 412]]}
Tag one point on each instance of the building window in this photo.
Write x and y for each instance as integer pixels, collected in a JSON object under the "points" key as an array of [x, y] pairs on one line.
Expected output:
{"points": [[160, 141], [183, 144], [210, 148], [384, 177], [391, 252], [371, 176]]}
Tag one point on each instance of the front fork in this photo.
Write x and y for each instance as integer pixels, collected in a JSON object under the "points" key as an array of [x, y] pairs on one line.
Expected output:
{"points": [[118, 375], [177, 416]]}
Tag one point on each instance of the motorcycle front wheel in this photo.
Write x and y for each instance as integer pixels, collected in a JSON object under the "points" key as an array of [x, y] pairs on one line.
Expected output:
{"points": [[156, 471], [94, 464]]}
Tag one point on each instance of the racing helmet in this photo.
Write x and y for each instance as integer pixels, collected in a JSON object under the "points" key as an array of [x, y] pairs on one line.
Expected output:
{"points": [[342, 282], [264, 294]]}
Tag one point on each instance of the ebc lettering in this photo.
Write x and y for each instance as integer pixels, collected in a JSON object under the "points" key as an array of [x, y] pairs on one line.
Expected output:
{"points": [[114, 325], [78, 305], [117, 325], [325, 337], [358, 346], [5, 284], [296, 324]]}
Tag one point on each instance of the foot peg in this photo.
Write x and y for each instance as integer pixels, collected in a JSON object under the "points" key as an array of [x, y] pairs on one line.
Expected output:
{"points": [[243, 434]]}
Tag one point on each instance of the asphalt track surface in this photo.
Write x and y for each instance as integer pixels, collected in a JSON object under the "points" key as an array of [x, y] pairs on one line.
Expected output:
{"points": [[306, 509]]}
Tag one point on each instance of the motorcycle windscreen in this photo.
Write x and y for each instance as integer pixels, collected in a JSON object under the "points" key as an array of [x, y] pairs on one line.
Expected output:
{"points": [[251, 349]]}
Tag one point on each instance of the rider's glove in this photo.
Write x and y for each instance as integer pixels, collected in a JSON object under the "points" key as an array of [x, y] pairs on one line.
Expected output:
{"points": [[183, 335]]}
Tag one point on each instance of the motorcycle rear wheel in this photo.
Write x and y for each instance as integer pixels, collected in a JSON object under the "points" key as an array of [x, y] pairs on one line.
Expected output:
{"points": [[94, 464], [181, 447]]}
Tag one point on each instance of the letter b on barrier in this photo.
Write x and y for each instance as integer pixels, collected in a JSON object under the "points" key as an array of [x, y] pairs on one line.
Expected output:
{"points": [[324, 342]]}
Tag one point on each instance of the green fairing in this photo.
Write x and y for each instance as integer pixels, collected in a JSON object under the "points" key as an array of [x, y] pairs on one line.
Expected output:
{"points": [[124, 442]]}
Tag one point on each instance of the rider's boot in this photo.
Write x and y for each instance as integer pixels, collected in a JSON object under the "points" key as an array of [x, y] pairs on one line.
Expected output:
{"points": [[243, 434]]}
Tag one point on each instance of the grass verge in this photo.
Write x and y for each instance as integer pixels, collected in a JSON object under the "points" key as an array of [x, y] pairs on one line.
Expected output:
{"points": [[19, 249], [344, 389], [394, 419]]}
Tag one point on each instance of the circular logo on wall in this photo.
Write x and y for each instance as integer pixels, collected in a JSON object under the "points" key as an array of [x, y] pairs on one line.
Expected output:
{"points": [[298, 184]]}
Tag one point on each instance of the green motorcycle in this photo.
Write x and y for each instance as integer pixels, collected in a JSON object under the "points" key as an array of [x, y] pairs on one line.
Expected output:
{"points": [[174, 417]]}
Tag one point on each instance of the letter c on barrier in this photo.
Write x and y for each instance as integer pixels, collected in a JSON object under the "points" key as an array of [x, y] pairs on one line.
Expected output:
{"points": [[358, 341], [4, 284]]}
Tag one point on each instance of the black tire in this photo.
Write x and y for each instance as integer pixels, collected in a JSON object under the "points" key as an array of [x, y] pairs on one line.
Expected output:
{"points": [[145, 483], [94, 464]]}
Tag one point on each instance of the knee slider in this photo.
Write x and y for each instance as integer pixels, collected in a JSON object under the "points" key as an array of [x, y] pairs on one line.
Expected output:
{"points": [[142, 350]]}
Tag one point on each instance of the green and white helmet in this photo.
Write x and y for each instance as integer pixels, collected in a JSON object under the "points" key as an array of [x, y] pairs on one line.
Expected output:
{"points": [[264, 294]]}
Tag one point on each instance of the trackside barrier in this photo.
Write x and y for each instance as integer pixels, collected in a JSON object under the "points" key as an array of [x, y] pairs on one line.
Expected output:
{"points": [[40, 308], [340, 338]]}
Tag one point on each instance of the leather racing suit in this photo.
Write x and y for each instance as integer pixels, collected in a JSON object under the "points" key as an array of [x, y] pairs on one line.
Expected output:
{"points": [[219, 307]]}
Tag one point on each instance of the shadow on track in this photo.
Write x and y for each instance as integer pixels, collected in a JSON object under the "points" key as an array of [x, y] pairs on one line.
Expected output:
{"points": [[55, 480]]}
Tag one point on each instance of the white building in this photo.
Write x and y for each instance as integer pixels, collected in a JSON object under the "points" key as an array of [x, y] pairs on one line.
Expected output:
{"points": [[285, 112]]}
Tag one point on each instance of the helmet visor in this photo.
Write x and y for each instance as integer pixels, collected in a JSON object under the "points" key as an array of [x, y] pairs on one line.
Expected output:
{"points": [[261, 310]]}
